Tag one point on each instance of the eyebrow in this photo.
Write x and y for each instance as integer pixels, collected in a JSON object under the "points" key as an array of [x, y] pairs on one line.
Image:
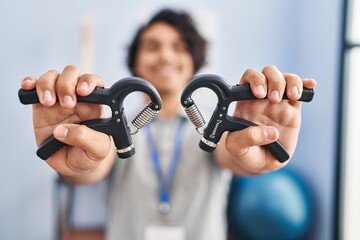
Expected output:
{"points": [[155, 39]]}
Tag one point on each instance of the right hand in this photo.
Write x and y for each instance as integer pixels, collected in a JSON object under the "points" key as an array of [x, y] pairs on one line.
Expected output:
{"points": [[90, 154]]}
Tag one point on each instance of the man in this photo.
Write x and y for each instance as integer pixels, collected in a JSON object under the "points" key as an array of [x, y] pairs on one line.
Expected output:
{"points": [[169, 182]]}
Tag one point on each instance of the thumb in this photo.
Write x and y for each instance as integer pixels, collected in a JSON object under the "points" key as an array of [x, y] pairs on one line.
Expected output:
{"points": [[95, 144], [239, 142]]}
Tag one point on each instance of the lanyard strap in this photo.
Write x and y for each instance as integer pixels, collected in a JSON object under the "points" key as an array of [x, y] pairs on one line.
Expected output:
{"points": [[165, 182]]}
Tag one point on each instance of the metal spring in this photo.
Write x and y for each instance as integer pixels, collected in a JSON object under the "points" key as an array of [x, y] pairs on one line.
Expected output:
{"points": [[143, 118], [195, 116]]}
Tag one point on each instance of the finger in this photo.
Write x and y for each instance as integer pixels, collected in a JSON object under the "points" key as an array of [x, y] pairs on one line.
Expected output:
{"points": [[245, 145], [66, 86], [87, 83], [275, 83], [239, 141], [28, 83], [257, 82], [309, 83], [253, 136], [95, 144], [294, 86], [45, 87]]}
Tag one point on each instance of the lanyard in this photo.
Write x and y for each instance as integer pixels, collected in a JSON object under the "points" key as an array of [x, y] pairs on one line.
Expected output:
{"points": [[165, 182]]}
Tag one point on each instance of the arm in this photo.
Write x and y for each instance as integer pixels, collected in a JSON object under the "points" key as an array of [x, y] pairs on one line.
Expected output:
{"points": [[90, 154], [240, 151]]}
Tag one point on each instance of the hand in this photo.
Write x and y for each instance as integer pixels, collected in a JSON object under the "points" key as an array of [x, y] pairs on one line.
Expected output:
{"points": [[83, 159], [277, 120]]}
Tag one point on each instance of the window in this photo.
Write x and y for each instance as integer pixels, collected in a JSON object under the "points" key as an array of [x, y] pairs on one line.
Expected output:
{"points": [[350, 125]]}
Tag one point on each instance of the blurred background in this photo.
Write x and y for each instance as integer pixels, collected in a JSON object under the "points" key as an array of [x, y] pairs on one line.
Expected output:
{"points": [[304, 37]]}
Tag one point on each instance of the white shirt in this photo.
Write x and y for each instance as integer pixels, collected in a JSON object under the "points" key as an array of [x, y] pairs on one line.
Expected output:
{"points": [[198, 194]]}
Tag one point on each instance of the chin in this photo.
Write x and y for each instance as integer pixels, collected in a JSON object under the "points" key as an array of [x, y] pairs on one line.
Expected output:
{"points": [[166, 89], [166, 78]]}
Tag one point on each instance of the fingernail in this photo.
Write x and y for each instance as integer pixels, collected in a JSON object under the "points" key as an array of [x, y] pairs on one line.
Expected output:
{"points": [[260, 90], [294, 91], [47, 97], [270, 133], [68, 100], [275, 95], [84, 86], [61, 131]]}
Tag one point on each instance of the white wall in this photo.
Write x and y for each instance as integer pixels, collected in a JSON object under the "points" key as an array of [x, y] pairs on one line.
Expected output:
{"points": [[297, 36]]}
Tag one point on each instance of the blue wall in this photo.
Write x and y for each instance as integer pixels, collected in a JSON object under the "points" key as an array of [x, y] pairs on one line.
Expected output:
{"points": [[297, 36]]}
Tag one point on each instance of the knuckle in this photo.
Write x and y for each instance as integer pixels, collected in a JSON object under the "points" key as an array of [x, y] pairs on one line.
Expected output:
{"points": [[71, 68], [53, 71], [78, 135], [251, 72], [81, 132], [87, 76], [94, 78], [254, 74], [270, 68], [65, 85], [292, 77], [44, 78], [47, 80], [90, 77], [251, 136], [61, 87]]}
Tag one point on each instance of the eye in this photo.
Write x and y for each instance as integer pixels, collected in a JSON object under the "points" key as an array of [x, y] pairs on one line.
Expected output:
{"points": [[149, 46], [180, 46]]}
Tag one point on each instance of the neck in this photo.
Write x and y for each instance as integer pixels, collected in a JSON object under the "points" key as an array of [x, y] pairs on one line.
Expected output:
{"points": [[170, 105]]}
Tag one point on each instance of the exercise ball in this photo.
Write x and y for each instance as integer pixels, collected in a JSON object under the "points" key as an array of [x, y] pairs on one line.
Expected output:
{"points": [[273, 206]]}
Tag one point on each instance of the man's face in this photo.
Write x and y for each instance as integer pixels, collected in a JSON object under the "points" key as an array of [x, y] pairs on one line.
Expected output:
{"points": [[163, 59]]}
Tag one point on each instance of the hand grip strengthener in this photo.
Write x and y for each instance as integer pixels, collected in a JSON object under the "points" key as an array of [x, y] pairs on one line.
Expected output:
{"points": [[116, 125], [220, 121]]}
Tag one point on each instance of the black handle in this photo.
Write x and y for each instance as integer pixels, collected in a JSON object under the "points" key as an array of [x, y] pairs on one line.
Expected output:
{"points": [[243, 92], [306, 96], [50, 146], [28, 96], [278, 151], [31, 97]]}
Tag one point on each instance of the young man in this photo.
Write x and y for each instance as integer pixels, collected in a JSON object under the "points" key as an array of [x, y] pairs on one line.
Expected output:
{"points": [[169, 181]]}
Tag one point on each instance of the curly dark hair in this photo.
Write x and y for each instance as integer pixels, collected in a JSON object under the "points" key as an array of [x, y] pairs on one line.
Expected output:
{"points": [[182, 21]]}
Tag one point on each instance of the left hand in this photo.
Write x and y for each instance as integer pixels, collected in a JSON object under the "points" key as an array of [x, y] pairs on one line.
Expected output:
{"points": [[277, 120]]}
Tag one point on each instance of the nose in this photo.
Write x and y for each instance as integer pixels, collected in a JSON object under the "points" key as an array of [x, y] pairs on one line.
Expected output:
{"points": [[167, 54]]}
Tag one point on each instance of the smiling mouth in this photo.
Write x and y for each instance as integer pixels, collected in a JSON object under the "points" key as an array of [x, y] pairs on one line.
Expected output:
{"points": [[166, 71]]}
